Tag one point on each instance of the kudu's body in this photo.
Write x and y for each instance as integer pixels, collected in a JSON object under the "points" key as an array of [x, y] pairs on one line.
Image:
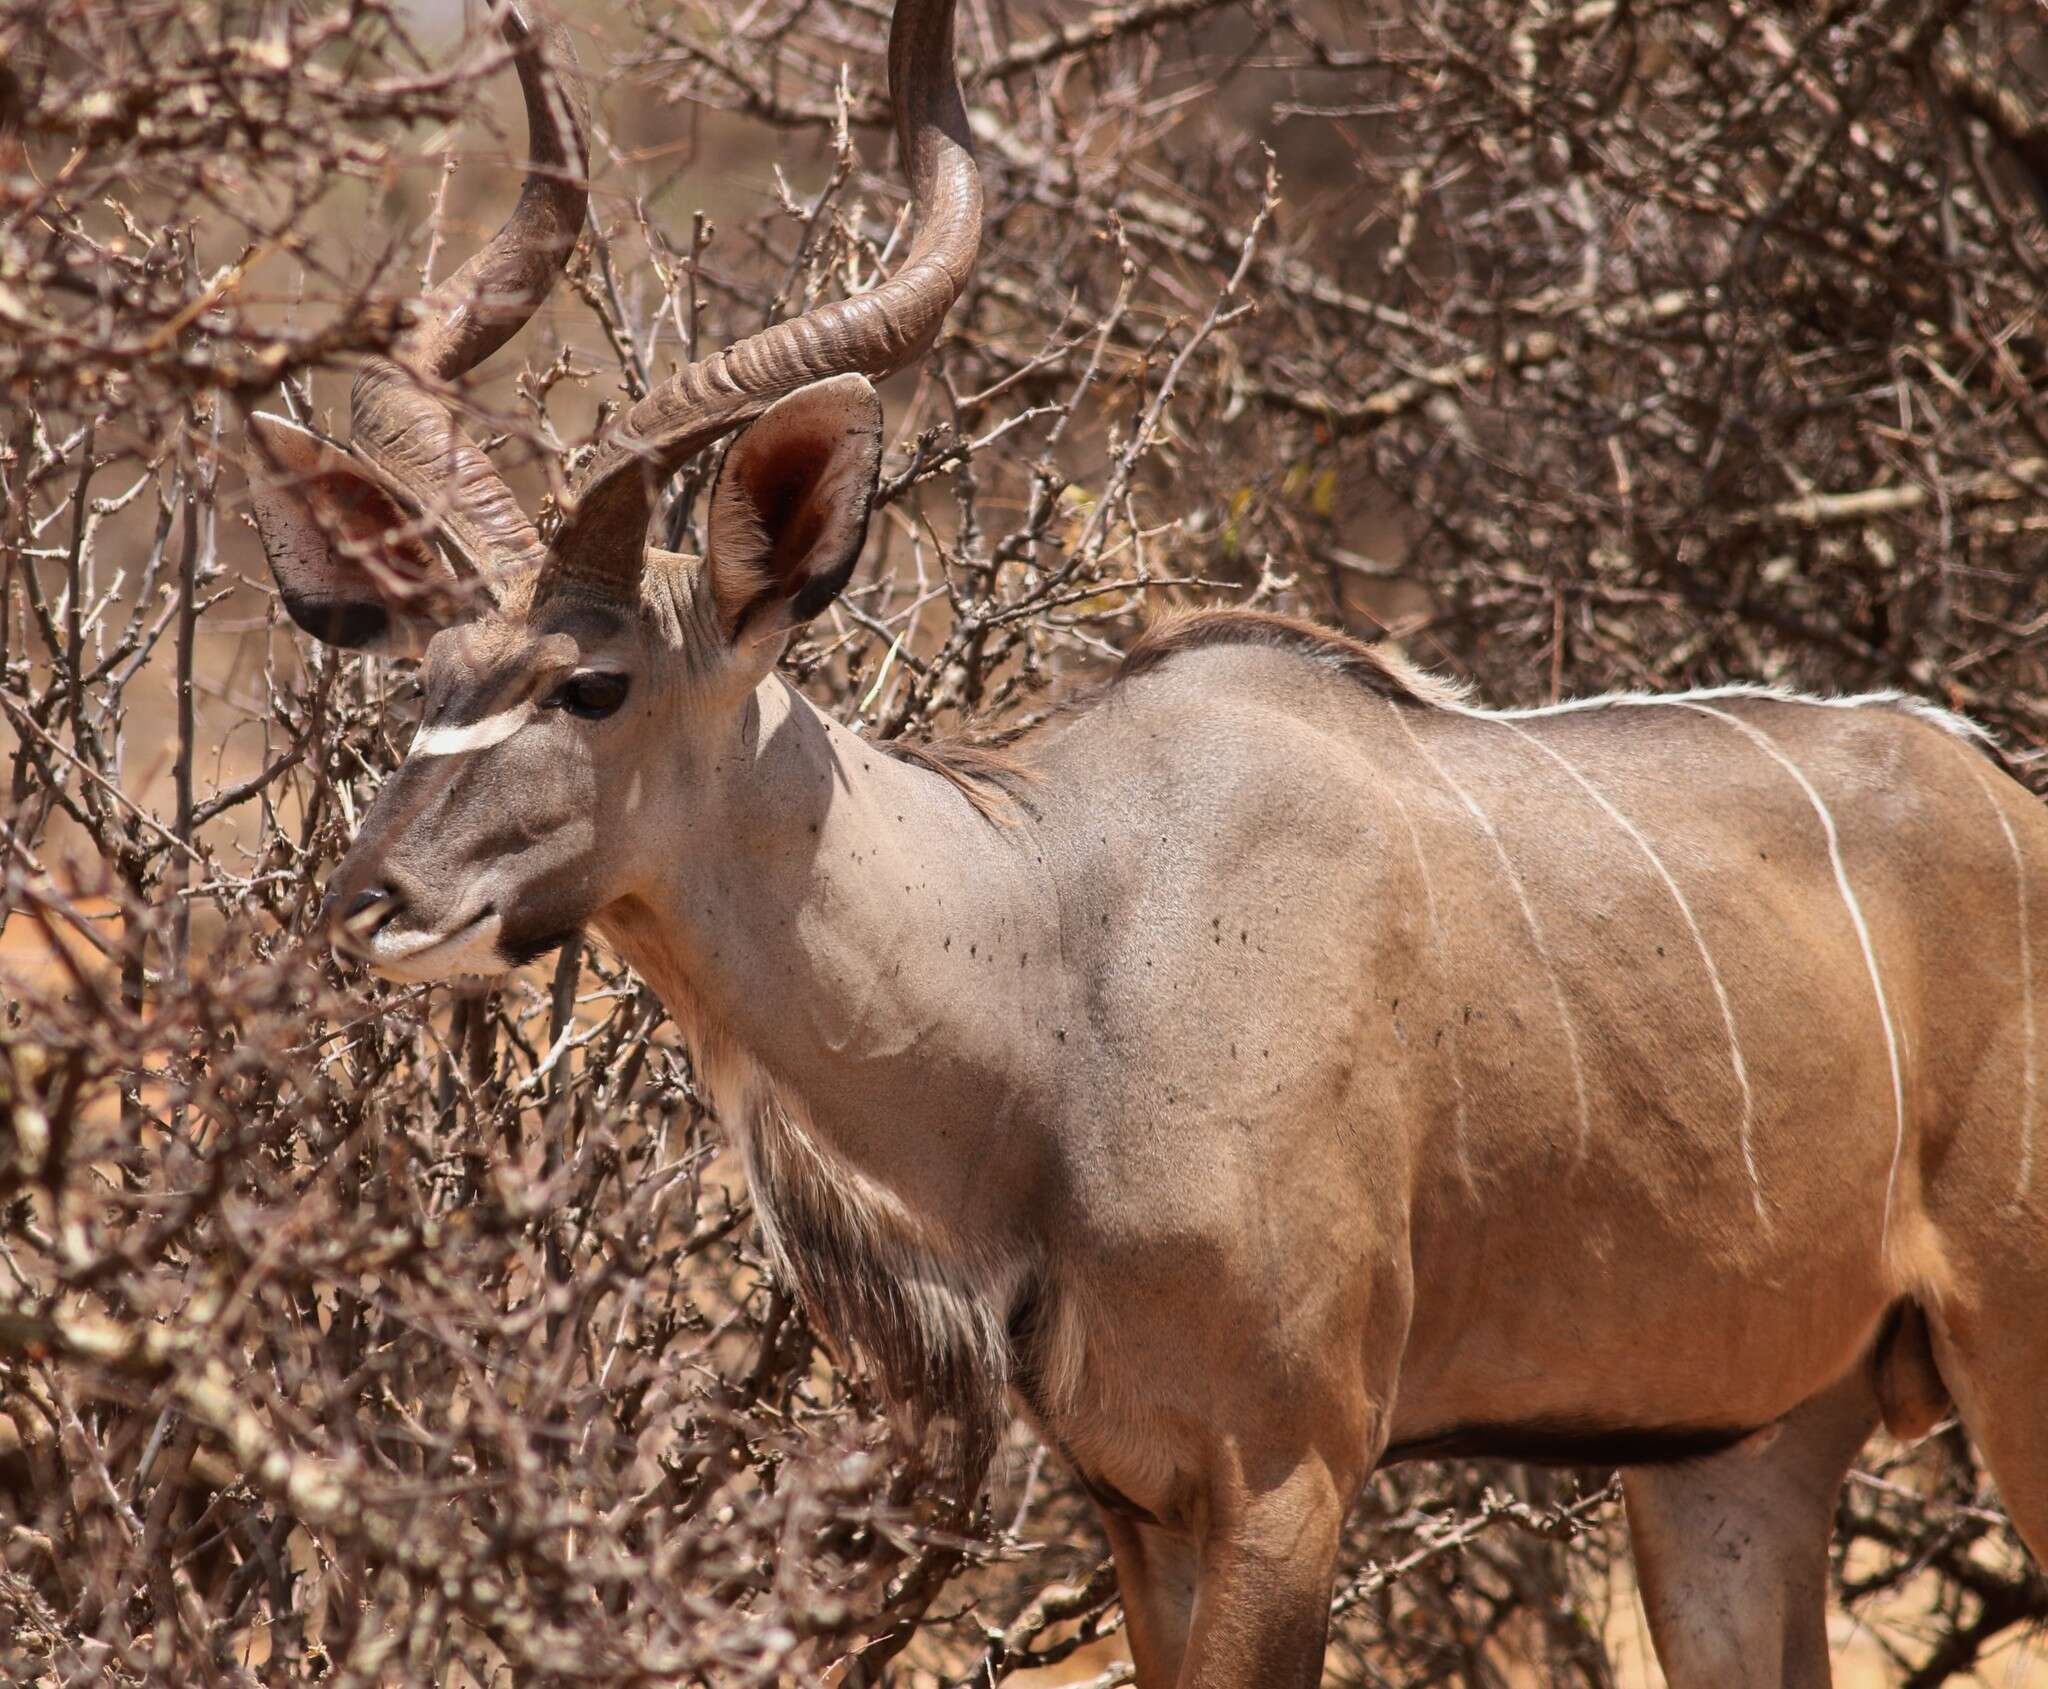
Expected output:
{"points": [[1277, 1066], [1514, 1085]]}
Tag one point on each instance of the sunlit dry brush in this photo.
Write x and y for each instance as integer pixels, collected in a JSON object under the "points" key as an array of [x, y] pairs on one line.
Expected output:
{"points": [[403, 1335]]}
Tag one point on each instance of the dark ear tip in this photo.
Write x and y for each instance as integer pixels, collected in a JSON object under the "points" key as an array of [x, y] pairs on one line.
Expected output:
{"points": [[351, 626], [820, 590]]}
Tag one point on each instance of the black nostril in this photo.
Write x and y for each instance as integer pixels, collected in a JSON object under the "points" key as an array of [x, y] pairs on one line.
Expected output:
{"points": [[360, 905], [359, 916]]}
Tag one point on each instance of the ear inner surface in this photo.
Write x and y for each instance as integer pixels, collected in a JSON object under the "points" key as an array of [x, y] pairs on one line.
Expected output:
{"points": [[344, 551], [790, 510]]}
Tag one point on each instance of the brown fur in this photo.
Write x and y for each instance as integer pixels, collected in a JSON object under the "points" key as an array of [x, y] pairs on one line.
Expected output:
{"points": [[928, 1323], [1317, 1069], [991, 769]]}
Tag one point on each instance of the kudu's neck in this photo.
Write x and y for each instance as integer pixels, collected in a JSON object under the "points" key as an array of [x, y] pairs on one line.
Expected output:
{"points": [[888, 955]]}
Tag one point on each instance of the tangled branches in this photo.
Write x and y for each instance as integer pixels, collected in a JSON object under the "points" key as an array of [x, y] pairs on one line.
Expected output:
{"points": [[367, 1335]]}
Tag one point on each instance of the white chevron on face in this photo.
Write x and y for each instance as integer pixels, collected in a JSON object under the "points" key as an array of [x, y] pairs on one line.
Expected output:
{"points": [[473, 736]]}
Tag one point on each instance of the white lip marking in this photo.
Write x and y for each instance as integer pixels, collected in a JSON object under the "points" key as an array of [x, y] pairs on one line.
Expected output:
{"points": [[475, 736], [1769, 746], [1699, 939], [425, 957]]}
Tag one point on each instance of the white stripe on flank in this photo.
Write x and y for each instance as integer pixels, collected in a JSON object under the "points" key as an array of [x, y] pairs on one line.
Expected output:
{"points": [[2027, 1105], [1442, 950], [1699, 939], [1884, 1013], [476, 736], [1564, 1012]]}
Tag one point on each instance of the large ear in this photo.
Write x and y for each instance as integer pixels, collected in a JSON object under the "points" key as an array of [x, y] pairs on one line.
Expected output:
{"points": [[790, 509], [350, 562]]}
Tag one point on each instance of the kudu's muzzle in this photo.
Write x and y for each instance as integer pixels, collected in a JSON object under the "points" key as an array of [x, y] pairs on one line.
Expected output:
{"points": [[351, 919]]}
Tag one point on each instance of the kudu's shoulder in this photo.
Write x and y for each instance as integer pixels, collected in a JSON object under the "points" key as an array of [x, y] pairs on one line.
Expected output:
{"points": [[1246, 714], [1274, 652], [1323, 651], [1240, 702]]}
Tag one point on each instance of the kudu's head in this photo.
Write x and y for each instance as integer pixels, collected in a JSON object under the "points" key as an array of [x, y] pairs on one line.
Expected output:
{"points": [[576, 690]]}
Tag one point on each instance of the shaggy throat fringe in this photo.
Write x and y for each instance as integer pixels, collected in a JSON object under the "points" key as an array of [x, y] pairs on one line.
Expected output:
{"points": [[930, 1327]]}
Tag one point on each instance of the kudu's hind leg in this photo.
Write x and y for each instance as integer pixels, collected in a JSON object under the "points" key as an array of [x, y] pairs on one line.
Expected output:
{"points": [[1732, 1550], [1994, 1359]]}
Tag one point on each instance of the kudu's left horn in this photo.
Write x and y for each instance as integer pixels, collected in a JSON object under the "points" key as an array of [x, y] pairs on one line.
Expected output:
{"points": [[404, 424], [603, 537]]}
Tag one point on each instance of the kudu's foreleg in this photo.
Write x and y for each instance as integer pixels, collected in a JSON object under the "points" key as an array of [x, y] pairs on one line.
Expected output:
{"points": [[1155, 1576], [1732, 1550], [1266, 1556]]}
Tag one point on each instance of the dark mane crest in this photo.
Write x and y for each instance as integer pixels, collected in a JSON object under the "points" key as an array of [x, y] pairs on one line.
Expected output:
{"points": [[988, 776], [1375, 667]]}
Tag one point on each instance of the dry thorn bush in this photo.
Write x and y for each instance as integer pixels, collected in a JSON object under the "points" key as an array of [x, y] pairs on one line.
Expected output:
{"points": [[361, 1335]]}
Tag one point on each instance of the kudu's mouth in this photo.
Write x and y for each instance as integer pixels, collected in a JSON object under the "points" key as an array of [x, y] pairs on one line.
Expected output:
{"points": [[368, 928]]}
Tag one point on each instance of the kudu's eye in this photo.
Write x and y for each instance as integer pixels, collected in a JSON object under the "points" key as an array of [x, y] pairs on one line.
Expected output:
{"points": [[592, 695]]}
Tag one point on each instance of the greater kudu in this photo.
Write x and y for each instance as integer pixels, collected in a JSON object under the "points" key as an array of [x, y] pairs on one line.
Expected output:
{"points": [[1297, 1068]]}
